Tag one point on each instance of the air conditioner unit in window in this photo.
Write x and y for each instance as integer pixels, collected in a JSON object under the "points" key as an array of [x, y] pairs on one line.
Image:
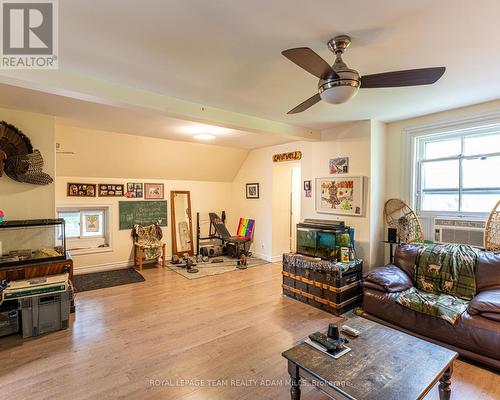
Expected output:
{"points": [[459, 230]]}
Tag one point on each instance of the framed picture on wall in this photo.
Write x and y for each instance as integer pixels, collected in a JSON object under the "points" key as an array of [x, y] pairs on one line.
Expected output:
{"points": [[111, 190], [340, 195], [307, 185], [134, 190], [81, 190], [252, 190], [153, 191], [339, 165]]}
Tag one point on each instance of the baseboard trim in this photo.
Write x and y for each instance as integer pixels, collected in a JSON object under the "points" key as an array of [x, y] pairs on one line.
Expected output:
{"points": [[87, 269], [263, 257]]}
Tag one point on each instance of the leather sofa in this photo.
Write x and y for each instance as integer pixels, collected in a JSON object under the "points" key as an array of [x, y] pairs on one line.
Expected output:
{"points": [[475, 335]]}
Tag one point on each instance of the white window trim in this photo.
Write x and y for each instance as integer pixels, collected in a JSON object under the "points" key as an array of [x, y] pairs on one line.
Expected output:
{"points": [[108, 230], [451, 128]]}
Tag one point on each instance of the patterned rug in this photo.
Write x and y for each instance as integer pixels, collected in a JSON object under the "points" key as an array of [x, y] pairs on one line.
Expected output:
{"points": [[105, 279], [209, 268]]}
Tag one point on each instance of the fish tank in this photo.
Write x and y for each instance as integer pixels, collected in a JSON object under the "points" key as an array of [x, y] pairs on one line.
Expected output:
{"points": [[32, 241], [323, 239]]}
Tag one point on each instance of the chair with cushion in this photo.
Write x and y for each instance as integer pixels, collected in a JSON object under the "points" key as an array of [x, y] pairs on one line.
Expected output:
{"points": [[147, 244], [448, 294]]}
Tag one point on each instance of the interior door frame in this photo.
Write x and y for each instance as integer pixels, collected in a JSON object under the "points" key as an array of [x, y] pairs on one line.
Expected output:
{"points": [[173, 228]]}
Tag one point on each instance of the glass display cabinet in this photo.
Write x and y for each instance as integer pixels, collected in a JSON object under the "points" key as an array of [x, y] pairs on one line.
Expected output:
{"points": [[32, 241]]}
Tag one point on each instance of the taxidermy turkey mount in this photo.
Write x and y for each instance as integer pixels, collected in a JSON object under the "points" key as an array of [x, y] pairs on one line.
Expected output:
{"points": [[18, 159], [338, 83]]}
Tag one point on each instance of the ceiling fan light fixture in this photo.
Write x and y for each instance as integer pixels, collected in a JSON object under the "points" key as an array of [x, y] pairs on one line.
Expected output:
{"points": [[338, 94]]}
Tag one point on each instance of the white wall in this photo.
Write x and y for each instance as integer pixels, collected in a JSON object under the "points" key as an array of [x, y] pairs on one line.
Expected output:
{"points": [[205, 197], [24, 200], [258, 167], [353, 141], [377, 189], [394, 144], [102, 153]]}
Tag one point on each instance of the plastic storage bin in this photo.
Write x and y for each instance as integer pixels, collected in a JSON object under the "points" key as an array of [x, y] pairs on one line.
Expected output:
{"points": [[45, 313], [9, 318]]}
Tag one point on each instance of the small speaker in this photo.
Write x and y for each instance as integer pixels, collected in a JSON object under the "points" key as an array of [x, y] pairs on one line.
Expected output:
{"points": [[392, 235]]}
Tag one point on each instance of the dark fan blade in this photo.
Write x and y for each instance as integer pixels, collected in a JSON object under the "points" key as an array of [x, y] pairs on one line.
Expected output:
{"points": [[305, 58], [305, 104], [410, 77]]}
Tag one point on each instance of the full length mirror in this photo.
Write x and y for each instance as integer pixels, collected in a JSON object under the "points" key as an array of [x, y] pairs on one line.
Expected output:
{"points": [[182, 230]]}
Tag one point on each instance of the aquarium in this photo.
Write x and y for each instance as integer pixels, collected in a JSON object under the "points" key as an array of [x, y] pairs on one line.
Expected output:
{"points": [[32, 241], [320, 238]]}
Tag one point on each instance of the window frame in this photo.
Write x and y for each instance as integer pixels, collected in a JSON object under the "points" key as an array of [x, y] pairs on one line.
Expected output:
{"points": [[89, 244], [413, 146], [420, 161]]}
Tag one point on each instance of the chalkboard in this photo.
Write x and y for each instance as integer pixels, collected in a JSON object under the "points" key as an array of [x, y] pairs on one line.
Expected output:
{"points": [[142, 213]]}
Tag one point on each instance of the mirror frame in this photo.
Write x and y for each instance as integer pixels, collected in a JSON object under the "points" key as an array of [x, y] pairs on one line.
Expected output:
{"points": [[173, 223]]}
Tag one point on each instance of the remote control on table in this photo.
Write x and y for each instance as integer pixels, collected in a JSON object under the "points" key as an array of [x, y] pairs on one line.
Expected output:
{"points": [[350, 331], [326, 342]]}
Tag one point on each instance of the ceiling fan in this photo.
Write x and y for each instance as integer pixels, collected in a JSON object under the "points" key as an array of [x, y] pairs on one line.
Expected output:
{"points": [[338, 83]]}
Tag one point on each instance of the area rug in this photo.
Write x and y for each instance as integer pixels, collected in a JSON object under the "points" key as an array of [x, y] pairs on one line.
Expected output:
{"points": [[210, 269], [106, 279]]}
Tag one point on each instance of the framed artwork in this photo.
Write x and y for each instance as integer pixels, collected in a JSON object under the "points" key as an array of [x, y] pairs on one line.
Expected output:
{"points": [[153, 191], [308, 193], [92, 223], [134, 190], [81, 190], [340, 195], [252, 190], [339, 165], [111, 190], [307, 185]]}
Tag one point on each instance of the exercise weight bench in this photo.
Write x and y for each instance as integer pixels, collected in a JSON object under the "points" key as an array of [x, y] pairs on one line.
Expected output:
{"points": [[243, 238]]}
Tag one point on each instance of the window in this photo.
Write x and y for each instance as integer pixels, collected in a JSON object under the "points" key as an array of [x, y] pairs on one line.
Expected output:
{"points": [[86, 228], [457, 172]]}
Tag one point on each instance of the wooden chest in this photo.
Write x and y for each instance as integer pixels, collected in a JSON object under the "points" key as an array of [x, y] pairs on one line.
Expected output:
{"points": [[331, 286]]}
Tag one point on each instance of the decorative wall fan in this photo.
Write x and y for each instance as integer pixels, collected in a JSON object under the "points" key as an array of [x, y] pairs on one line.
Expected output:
{"points": [[338, 83], [399, 215], [18, 158]]}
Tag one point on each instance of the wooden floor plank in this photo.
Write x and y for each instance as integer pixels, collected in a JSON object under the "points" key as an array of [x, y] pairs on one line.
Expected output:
{"points": [[215, 338]]}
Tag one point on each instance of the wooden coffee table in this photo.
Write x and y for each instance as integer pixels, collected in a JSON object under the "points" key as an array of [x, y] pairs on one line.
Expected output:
{"points": [[384, 364]]}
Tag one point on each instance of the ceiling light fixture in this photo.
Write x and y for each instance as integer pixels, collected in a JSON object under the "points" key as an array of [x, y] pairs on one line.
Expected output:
{"points": [[204, 136]]}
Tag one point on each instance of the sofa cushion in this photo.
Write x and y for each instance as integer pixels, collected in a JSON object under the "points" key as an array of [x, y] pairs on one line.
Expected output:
{"points": [[487, 301], [390, 278], [447, 268], [405, 257], [440, 305], [488, 271], [471, 332]]}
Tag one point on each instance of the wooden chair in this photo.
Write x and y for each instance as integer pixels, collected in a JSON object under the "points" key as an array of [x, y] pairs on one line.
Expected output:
{"points": [[147, 240]]}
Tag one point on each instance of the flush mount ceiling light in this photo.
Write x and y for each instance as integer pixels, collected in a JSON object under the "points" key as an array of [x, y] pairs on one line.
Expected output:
{"points": [[204, 136]]}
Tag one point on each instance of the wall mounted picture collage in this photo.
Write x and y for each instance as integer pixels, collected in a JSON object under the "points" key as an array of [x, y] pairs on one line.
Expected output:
{"points": [[131, 190]]}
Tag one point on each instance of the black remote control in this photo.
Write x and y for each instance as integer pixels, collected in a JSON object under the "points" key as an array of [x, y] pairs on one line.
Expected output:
{"points": [[326, 342]]}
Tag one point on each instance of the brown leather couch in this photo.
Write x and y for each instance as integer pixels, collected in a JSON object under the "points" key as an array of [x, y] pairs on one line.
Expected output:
{"points": [[475, 335]]}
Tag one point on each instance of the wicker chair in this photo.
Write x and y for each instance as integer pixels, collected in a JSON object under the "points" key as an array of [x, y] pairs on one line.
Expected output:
{"points": [[399, 215], [148, 244], [492, 230]]}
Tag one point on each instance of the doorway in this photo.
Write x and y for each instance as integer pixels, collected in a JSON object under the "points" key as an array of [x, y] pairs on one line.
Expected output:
{"points": [[286, 207]]}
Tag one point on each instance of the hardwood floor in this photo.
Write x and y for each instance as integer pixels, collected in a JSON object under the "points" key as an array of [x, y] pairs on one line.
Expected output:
{"points": [[179, 339]]}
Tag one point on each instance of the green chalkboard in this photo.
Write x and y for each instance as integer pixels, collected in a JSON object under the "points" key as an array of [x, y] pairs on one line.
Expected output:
{"points": [[142, 213]]}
